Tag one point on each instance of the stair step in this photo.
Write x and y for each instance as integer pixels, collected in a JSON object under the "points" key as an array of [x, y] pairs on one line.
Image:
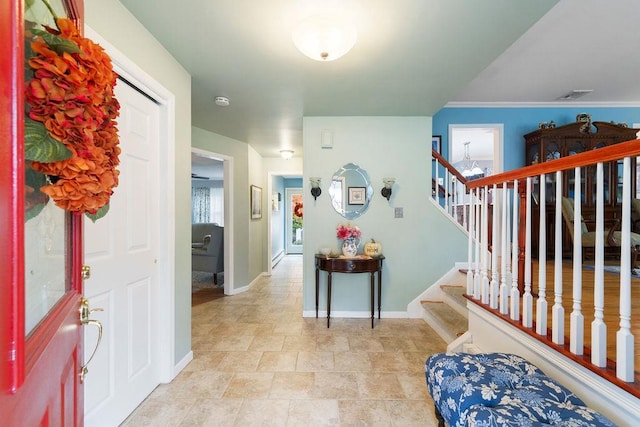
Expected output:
{"points": [[454, 296], [444, 319]]}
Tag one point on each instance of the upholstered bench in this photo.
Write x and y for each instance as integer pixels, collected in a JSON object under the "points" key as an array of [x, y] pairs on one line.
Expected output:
{"points": [[499, 389]]}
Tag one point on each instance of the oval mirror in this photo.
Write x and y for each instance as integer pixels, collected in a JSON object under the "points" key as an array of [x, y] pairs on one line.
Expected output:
{"points": [[350, 191]]}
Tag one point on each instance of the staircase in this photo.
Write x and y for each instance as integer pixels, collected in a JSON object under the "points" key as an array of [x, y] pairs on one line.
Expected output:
{"points": [[447, 314]]}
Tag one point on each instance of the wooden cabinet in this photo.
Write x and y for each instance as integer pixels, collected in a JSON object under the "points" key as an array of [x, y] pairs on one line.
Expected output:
{"points": [[553, 143]]}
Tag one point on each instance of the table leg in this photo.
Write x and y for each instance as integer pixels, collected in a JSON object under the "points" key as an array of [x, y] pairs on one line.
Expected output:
{"points": [[373, 293], [328, 297], [317, 289], [379, 291]]}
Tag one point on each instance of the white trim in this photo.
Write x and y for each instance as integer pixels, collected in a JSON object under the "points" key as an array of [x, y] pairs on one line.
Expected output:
{"points": [[491, 334], [227, 165], [498, 145], [182, 363], [558, 104], [249, 286], [432, 293], [166, 251], [322, 314]]}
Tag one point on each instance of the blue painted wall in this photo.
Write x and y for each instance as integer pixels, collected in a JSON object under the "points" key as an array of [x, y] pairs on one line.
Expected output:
{"points": [[519, 121]]}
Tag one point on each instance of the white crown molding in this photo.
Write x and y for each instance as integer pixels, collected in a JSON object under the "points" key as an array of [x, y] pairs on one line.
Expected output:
{"points": [[561, 104]]}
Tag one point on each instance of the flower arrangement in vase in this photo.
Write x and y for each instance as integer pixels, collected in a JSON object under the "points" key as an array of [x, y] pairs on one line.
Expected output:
{"points": [[350, 236]]}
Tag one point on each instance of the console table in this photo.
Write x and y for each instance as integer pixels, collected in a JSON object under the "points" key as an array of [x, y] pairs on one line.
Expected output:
{"points": [[361, 264]]}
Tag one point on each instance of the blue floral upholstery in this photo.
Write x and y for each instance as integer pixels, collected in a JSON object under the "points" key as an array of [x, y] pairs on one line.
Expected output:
{"points": [[499, 389]]}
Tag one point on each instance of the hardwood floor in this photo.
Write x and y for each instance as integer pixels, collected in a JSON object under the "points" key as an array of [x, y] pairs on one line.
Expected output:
{"points": [[611, 304]]}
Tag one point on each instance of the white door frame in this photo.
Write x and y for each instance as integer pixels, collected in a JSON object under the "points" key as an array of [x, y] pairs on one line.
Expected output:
{"points": [[288, 217], [270, 176], [227, 181], [128, 70], [498, 143]]}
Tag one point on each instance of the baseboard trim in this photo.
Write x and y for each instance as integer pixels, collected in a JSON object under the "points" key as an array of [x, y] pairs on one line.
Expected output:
{"points": [[182, 364]]}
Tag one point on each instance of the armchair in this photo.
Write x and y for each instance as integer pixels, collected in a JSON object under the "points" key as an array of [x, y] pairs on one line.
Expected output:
{"points": [[612, 235], [207, 249]]}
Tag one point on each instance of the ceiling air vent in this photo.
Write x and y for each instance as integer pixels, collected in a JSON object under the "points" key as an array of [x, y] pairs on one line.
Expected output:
{"points": [[574, 94]]}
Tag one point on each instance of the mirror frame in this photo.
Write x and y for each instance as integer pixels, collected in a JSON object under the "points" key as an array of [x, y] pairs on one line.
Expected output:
{"points": [[340, 191]]}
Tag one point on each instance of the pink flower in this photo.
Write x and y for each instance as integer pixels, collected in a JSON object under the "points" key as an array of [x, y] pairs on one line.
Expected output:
{"points": [[347, 231]]}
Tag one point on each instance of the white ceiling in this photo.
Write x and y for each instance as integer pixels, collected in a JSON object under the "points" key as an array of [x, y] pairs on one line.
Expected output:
{"points": [[412, 58]]}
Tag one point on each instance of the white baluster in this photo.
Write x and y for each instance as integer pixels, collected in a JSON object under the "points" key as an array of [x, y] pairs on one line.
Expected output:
{"points": [[470, 246], [624, 337], [598, 327], [485, 246], [494, 285], [557, 311], [454, 187], [437, 184], [514, 296], [576, 330], [445, 185], [527, 298], [504, 284], [541, 304], [477, 277]]}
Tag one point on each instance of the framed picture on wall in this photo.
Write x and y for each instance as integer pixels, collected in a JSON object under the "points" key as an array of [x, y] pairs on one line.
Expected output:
{"points": [[256, 202], [436, 143], [357, 195]]}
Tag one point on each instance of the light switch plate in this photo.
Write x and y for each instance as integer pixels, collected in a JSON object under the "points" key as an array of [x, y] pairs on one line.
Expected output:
{"points": [[326, 139], [399, 213]]}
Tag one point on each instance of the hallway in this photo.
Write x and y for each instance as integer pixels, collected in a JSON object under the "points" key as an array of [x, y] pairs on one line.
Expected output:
{"points": [[258, 362]]}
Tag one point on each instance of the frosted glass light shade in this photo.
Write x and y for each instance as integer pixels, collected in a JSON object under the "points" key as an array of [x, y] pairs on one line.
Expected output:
{"points": [[324, 37]]}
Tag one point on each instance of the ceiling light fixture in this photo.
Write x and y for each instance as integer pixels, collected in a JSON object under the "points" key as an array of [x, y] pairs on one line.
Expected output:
{"points": [[286, 154], [470, 170], [324, 37], [222, 101]]}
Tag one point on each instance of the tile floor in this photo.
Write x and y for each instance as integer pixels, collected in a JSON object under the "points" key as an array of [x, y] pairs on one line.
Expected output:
{"points": [[258, 362]]}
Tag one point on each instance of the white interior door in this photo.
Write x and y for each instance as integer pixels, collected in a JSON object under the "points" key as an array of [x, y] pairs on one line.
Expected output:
{"points": [[122, 251], [294, 220]]}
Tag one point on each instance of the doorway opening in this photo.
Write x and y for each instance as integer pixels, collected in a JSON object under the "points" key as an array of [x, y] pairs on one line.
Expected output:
{"points": [[211, 205], [480, 146]]}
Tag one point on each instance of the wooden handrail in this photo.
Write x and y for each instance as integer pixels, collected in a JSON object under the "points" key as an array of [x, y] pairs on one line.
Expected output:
{"points": [[589, 158], [452, 170]]}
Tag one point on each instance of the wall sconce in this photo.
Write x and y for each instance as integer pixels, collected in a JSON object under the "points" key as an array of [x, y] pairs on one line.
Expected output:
{"points": [[315, 187], [386, 190]]}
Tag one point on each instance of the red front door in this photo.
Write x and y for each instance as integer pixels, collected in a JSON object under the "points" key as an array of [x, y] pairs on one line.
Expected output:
{"points": [[40, 329]]}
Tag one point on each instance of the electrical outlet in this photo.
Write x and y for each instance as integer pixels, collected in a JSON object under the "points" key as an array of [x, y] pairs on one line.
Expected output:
{"points": [[399, 213]]}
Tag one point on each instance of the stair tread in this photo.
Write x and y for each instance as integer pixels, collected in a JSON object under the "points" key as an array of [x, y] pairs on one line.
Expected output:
{"points": [[446, 316], [456, 293]]}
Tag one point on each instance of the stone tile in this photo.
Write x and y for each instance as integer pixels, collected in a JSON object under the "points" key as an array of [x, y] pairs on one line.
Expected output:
{"points": [[292, 385], [299, 343], [267, 343], [332, 343], [379, 386], [364, 413], [365, 344], [335, 385], [313, 413], [413, 385], [352, 361], [389, 361], [240, 361], [154, 409], [315, 361], [275, 361], [397, 343], [263, 412], [249, 385], [212, 412], [232, 343], [410, 413]]}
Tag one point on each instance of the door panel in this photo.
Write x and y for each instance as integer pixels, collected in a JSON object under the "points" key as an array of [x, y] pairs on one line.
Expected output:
{"points": [[121, 249], [39, 381]]}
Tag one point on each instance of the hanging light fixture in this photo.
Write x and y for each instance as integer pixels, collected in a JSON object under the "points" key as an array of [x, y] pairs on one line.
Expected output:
{"points": [[324, 37], [470, 168]]}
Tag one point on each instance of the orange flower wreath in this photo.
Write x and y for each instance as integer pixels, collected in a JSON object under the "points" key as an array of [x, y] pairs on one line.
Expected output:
{"points": [[71, 93]]}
